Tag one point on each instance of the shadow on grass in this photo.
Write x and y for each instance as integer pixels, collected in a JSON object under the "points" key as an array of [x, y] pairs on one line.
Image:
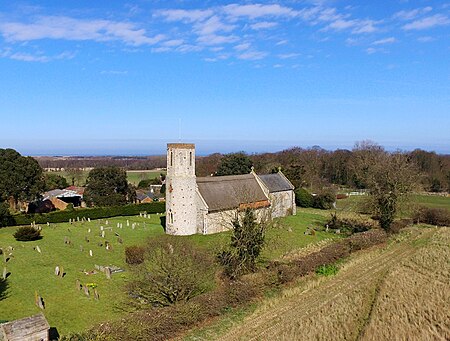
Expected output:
{"points": [[3, 289]]}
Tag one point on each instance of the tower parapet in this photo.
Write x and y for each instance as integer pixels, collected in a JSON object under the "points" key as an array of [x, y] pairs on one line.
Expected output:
{"points": [[181, 210]]}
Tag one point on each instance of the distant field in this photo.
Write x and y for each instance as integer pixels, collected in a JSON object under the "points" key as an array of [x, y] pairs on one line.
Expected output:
{"points": [[69, 309], [134, 176], [352, 202]]}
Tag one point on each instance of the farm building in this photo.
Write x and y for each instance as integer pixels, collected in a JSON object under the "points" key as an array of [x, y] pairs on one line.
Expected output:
{"points": [[208, 204]]}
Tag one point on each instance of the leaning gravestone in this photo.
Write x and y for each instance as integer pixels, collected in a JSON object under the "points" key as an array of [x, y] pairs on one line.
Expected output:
{"points": [[5, 272], [86, 290], [108, 272], [38, 249]]}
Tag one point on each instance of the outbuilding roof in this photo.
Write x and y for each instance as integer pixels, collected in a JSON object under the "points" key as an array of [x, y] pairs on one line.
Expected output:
{"points": [[276, 182], [24, 329], [230, 192]]}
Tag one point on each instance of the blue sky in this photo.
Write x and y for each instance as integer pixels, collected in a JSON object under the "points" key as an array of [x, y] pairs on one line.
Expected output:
{"points": [[115, 77]]}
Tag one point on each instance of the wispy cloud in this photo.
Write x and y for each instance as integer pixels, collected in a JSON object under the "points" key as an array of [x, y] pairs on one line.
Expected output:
{"points": [[389, 40], [411, 14], [66, 28], [28, 57], [428, 22], [356, 26], [185, 15], [252, 55], [254, 11], [263, 25], [288, 55]]}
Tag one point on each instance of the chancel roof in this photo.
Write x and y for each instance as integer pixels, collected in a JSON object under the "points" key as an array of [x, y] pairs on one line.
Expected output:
{"points": [[276, 182]]}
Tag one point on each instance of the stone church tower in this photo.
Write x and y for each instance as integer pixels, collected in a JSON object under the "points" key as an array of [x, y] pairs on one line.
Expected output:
{"points": [[181, 211]]}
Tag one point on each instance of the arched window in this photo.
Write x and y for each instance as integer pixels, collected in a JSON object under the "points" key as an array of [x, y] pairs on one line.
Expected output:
{"points": [[170, 217], [171, 158]]}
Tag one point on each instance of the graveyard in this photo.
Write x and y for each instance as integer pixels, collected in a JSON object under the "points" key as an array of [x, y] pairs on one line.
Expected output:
{"points": [[76, 273]]}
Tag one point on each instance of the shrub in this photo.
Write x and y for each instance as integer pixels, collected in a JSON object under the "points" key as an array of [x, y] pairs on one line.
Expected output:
{"points": [[432, 216], [173, 271], [324, 200], [134, 254], [27, 233], [397, 225], [327, 270], [303, 198], [349, 225]]}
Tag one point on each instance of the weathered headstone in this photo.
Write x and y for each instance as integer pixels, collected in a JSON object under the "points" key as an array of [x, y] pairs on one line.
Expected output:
{"points": [[38, 249], [108, 272], [89, 230], [48, 224], [78, 285], [106, 222], [86, 290], [61, 272], [5, 272], [120, 240], [101, 228], [96, 295], [78, 218], [90, 253], [86, 239], [128, 222], [57, 271], [89, 220], [81, 248], [118, 225], [103, 234]]}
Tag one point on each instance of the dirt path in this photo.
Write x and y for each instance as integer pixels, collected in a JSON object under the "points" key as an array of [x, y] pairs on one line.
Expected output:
{"points": [[364, 271]]}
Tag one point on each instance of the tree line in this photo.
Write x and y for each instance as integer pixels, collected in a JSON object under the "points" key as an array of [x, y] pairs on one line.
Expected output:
{"points": [[315, 168]]}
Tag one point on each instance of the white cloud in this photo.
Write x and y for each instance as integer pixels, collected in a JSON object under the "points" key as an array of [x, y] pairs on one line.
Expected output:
{"points": [[371, 50], [254, 11], [426, 39], [252, 55], [173, 42], [263, 25], [428, 22], [212, 25], [242, 47], [66, 28], [357, 26], [288, 55], [282, 42], [114, 72], [411, 14], [27, 57], [389, 40], [185, 15], [214, 39]]}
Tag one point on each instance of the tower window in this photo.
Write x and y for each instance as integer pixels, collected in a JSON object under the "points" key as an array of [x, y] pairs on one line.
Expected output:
{"points": [[170, 217], [171, 158], [190, 159]]}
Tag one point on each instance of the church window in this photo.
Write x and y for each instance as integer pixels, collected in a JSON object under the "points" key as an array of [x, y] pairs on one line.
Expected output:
{"points": [[190, 159], [171, 158]]}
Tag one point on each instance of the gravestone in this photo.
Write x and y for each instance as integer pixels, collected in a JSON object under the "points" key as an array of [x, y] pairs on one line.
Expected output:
{"points": [[61, 272], [103, 234], [57, 271], [38, 249], [78, 285], [96, 296], [106, 222], [108, 272], [118, 225], [101, 228], [78, 218], [90, 253], [48, 224], [120, 240], [5, 272], [128, 222], [86, 239], [81, 248], [89, 220], [89, 230], [86, 290]]}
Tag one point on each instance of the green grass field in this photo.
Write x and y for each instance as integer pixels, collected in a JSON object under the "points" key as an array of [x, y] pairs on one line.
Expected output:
{"points": [[68, 309], [133, 176], [351, 203]]}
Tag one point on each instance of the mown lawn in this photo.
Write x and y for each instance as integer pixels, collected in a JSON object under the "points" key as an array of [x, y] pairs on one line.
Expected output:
{"points": [[68, 309]]}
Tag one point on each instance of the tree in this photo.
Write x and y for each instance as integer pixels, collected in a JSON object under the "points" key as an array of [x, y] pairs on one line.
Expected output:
{"points": [[173, 270], [247, 242], [20, 177], [235, 164], [75, 176], [5, 216], [107, 186], [390, 177], [303, 198], [54, 181]]}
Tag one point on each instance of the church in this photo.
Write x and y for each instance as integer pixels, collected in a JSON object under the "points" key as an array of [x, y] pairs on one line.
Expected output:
{"points": [[208, 205]]}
